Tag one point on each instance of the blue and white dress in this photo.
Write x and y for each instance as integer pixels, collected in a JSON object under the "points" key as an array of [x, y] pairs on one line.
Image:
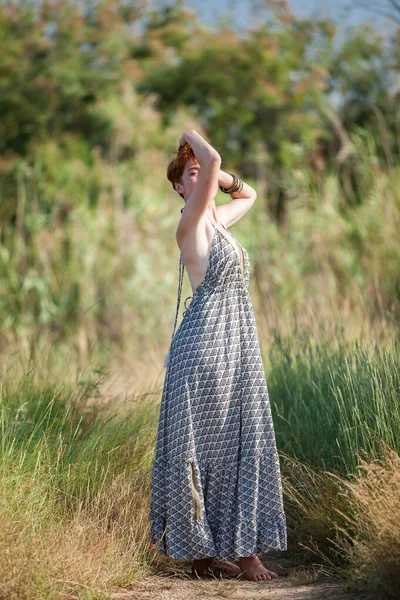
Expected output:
{"points": [[216, 482]]}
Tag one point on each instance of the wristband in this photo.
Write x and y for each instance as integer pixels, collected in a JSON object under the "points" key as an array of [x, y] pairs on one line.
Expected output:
{"points": [[236, 186]]}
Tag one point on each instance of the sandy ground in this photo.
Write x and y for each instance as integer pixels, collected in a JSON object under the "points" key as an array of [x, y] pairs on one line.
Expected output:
{"points": [[293, 583]]}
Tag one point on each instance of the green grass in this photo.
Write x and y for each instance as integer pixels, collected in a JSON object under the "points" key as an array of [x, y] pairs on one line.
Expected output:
{"points": [[75, 467], [74, 489], [332, 398], [106, 271]]}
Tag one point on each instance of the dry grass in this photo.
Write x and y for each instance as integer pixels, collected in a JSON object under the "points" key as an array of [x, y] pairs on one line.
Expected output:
{"points": [[74, 499], [100, 548], [312, 501], [92, 551], [370, 537], [350, 523]]}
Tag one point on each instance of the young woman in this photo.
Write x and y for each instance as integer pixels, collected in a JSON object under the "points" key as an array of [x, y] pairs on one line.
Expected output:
{"points": [[216, 483]]}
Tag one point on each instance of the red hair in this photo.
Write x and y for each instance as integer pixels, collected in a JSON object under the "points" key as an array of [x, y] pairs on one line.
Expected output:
{"points": [[177, 165]]}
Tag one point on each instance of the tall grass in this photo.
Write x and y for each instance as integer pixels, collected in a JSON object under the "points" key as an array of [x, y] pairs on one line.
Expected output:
{"points": [[87, 298], [88, 251], [370, 535], [331, 397], [74, 488], [75, 464], [348, 523]]}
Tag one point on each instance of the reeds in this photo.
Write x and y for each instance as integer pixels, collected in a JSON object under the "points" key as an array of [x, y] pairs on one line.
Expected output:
{"points": [[74, 489], [331, 397], [88, 251], [75, 469]]}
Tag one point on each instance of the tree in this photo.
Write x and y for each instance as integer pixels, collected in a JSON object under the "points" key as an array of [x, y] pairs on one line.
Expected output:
{"points": [[58, 58]]}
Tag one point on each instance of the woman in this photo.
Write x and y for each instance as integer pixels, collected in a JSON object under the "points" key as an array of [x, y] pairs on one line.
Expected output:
{"points": [[216, 484]]}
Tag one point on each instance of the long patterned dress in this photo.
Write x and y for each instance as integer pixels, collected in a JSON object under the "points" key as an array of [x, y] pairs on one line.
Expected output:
{"points": [[216, 483]]}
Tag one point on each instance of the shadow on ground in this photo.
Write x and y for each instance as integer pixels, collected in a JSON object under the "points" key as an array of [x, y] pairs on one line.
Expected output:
{"points": [[294, 582]]}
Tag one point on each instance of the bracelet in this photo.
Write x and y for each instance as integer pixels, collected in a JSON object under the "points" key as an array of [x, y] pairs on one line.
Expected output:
{"points": [[236, 186]]}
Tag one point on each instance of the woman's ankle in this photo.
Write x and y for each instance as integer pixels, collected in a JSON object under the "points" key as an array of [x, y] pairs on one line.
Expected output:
{"points": [[248, 558]]}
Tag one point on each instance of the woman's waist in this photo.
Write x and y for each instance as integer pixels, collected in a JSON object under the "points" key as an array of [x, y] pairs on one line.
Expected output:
{"points": [[230, 288]]}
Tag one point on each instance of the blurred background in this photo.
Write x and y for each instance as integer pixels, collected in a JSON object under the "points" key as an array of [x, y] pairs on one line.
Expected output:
{"points": [[301, 99]]}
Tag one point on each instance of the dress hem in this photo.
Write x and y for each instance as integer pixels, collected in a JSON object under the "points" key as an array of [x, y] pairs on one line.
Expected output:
{"points": [[159, 538]]}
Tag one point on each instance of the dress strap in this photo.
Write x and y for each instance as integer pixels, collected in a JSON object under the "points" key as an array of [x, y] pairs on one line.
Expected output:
{"points": [[180, 282]]}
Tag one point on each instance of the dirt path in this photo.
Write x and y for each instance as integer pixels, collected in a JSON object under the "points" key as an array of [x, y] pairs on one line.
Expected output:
{"points": [[293, 583], [158, 588]]}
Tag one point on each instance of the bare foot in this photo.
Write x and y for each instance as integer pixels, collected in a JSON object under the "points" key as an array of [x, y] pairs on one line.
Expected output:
{"points": [[254, 570], [225, 567], [212, 566], [201, 566]]}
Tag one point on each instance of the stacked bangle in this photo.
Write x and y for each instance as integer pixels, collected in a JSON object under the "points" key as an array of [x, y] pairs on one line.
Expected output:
{"points": [[236, 186]]}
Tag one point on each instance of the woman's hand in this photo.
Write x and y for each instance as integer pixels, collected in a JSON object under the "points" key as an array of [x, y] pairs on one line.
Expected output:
{"points": [[202, 150], [183, 139]]}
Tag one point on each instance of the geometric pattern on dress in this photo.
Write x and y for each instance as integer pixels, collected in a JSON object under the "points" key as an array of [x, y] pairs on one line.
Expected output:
{"points": [[216, 484]]}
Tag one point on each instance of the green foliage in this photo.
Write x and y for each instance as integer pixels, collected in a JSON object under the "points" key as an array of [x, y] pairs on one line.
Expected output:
{"points": [[74, 485], [332, 399], [77, 444], [261, 95], [75, 469], [364, 61], [58, 60], [256, 88], [91, 109], [80, 258]]}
